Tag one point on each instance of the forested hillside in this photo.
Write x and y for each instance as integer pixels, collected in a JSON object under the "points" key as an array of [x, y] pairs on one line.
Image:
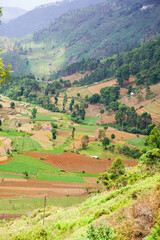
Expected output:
{"points": [[42, 16], [103, 30], [95, 32]]}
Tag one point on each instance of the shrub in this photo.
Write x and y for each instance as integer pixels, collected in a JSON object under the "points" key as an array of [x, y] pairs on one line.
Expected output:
{"points": [[102, 232]]}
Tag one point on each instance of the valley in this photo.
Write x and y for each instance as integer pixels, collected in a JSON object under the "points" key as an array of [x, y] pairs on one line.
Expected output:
{"points": [[80, 121]]}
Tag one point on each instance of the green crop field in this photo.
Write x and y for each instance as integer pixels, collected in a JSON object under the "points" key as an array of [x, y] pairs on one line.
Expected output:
{"points": [[137, 142], [13, 132], [91, 120], [27, 205], [59, 178], [25, 144], [46, 118], [20, 164], [43, 170]]}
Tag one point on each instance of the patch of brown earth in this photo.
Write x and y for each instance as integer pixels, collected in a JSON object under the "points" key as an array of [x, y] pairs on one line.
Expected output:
{"points": [[14, 188], [69, 162]]}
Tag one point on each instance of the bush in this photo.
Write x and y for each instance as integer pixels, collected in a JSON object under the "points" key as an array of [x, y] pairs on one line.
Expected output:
{"points": [[102, 232], [102, 111]]}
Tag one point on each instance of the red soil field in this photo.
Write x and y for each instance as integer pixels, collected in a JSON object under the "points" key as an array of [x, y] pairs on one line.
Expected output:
{"points": [[69, 162], [6, 161]]}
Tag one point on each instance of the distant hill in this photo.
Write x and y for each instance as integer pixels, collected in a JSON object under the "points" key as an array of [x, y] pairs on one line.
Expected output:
{"points": [[10, 13], [95, 32], [104, 29], [42, 17]]}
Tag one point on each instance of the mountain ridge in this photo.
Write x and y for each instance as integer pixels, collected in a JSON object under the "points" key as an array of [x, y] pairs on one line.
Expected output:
{"points": [[41, 17]]}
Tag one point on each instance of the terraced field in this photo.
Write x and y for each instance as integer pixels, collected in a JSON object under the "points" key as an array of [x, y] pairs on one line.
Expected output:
{"points": [[25, 144], [154, 106]]}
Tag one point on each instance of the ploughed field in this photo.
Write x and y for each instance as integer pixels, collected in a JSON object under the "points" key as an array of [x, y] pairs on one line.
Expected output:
{"points": [[57, 175]]}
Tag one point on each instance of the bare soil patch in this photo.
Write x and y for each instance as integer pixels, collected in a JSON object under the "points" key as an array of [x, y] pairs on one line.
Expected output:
{"points": [[4, 160], [63, 133], [97, 87], [5, 144], [36, 189], [106, 118], [9, 216], [75, 76], [93, 110], [69, 162], [120, 135]]}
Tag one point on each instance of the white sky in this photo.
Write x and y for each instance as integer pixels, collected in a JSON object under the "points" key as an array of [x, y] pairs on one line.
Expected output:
{"points": [[25, 4]]}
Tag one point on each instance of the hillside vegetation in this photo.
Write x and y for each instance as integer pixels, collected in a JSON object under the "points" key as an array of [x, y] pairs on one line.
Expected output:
{"points": [[130, 211], [41, 17], [98, 31]]}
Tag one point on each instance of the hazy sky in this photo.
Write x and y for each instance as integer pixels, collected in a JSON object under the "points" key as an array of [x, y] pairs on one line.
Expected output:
{"points": [[25, 4]]}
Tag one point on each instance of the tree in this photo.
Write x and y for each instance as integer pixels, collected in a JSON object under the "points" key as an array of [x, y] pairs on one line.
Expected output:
{"points": [[54, 133], [71, 105], [117, 168], [73, 131], [19, 124], [105, 142], [154, 138], [4, 72], [85, 141], [54, 125], [101, 134], [95, 98], [12, 104], [113, 136], [34, 112], [56, 100], [82, 113], [102, 111], [151, 159]]}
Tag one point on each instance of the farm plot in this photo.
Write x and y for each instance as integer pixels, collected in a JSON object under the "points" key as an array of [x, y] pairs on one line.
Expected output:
{"points": [[25, 144], [97, 87], [46, 118], [33, 166], [153, 107]]}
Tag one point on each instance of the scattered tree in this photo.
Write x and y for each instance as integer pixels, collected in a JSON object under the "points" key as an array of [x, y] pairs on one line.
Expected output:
{"points": [[154, 138], [85, 141], [151, 159], [73, 131], [105, 142], [34, 112], [54, 133], [113, 136], [101, 134], [12, 104]]}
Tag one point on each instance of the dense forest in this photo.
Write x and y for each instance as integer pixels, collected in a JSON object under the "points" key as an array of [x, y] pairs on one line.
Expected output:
{"points": [[142, 62]]}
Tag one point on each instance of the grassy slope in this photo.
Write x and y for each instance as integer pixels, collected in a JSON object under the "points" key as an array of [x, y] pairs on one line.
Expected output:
{"points": [[72, 223]]}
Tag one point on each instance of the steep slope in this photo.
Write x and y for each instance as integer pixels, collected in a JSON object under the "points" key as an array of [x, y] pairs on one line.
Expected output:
{"points": [[42, 16], [130, 211], [98, 31], [10, 13], [103, 30]]}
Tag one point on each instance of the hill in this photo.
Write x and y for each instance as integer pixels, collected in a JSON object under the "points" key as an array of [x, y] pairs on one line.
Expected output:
{"points": [[130, 213], [42, 17], [98, 31], [10, 13]]}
